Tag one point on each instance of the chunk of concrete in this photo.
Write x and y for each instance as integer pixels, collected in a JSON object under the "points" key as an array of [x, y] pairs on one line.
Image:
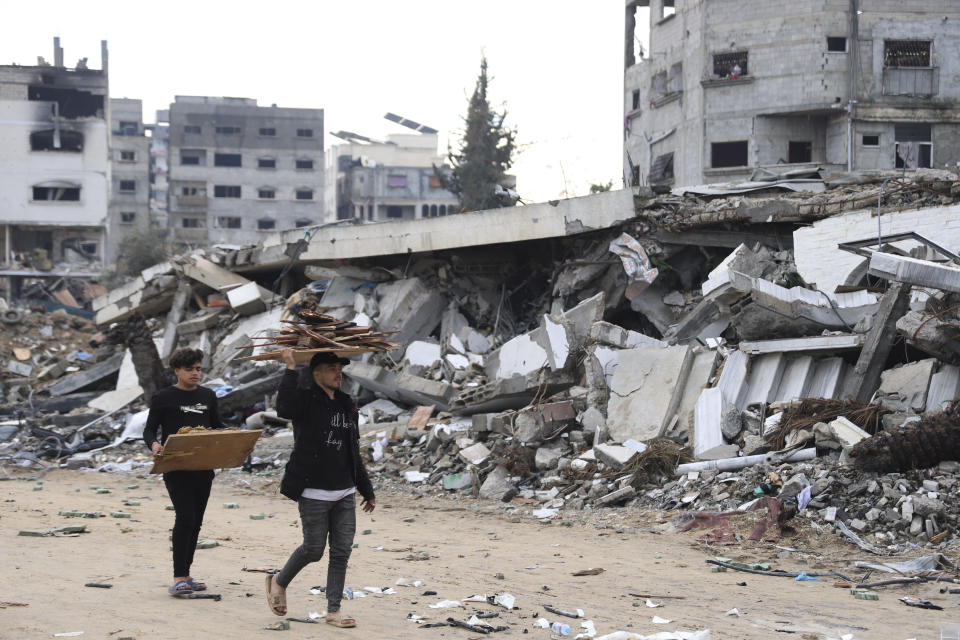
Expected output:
{"points": [[409, 307], [497, 485], [615, 456], [766, 372], [422, 353], [401, 387], [720, 452], [733, 379], [701, 370], [341, 291], [246, 299], [547, 457], [475, 454], [609, 334], [206, 319], [616, 497], [828, 376], [905, 388], [915, 271], [81, 379], [646, 390], [846, 433], [944, 387], [708, 420]]}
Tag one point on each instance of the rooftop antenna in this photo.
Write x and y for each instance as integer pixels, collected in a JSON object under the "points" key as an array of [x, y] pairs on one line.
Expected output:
{"points": [[410, 124]]}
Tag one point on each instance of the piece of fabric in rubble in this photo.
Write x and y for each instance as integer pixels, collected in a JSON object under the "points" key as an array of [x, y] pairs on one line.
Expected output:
{"points": [[636, 263], [909, 152], [721, 531]]}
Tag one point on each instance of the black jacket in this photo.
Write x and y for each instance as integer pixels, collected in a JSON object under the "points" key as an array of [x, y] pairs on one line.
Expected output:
{"points": [[309, 409]]}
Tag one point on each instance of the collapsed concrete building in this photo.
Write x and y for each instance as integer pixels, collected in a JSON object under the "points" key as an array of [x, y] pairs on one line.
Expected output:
{"points": [[731, 89], [54, 171]]}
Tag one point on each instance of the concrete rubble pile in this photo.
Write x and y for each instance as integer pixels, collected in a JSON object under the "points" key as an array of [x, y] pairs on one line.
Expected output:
{"points": [[714, 347]]}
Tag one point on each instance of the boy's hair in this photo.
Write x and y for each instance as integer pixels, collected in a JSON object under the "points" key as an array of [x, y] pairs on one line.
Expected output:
{"points": [[185, 357]]}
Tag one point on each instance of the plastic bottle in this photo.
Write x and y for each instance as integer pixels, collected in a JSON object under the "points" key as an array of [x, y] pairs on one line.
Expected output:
{"points": [[561, 629]]}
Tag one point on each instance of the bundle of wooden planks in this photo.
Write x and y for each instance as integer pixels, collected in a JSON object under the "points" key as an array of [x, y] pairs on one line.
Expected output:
{"points": [[314, 332]]}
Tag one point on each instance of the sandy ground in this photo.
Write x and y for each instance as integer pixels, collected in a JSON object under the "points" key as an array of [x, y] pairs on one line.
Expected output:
{"points": [[469, 542]]}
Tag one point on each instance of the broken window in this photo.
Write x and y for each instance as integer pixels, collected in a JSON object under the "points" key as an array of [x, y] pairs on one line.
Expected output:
{"points": [[127, 217], [128, 128], [128, 156], [46, 193], [302, 222], [658, 85], [71, 103], [128, 186], [668, 8], [637, 33], [304, 194], [228, 130], [799, 151], [226, 191], [396, 181], [906, 53], [837, 44], [191, 191], [192, 223], [191, 128], [268, 131], [304, 133], [870, 140], [266, 193], [304, 164], [728, 154], [635, 99], [662, 169], [266, 224], [229, 222], [730, 65], [53, 140], [193, 157], [227, 160], [266, 163]]}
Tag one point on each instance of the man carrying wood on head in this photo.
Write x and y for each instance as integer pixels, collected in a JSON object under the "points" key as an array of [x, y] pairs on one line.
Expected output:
{"points": [[323, 475]]}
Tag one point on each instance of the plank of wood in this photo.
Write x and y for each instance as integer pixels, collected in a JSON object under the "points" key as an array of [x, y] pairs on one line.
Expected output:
{"points": [[200, 450]]}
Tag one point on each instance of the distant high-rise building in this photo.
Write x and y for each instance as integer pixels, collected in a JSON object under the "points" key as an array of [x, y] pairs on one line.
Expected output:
{"points": [[130, 173], [238, 170]]}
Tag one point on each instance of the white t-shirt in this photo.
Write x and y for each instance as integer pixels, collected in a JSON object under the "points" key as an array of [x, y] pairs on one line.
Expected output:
{"points": [[329, 496]]}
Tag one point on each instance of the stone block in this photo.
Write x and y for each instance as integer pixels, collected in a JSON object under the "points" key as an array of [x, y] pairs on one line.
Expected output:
{"points": [[616, 497], [905, 388], [547, 457], [497, 485], [708, 417], [614, 456], [246, 299], [475, 454], [410, 308]]}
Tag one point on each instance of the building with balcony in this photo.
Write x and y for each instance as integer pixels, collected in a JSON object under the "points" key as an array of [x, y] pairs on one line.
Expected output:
{"points": [[130, 173], [238, 170], [159, 168], [372, 181], [55, 170], [732, 89]]}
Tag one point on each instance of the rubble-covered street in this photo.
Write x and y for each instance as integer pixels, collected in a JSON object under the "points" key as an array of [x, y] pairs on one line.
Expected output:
{"points": [[659, 384]]}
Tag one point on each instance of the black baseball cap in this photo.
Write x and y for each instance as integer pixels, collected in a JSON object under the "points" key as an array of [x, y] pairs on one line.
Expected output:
{"points": [[326, 357]]}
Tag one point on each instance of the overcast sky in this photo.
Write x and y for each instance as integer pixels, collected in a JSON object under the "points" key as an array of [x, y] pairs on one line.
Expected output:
{"points": [[557, 66]]}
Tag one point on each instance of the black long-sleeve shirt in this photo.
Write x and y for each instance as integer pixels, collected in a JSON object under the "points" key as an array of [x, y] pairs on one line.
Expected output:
{"points": [[173, 408], [326, 440]]}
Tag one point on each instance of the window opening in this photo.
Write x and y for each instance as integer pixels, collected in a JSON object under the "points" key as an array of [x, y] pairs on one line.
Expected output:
{"points": [[870, 140], [267, 194], [48, 140], [304, 164], [128, 185], [229, 222], [227, 160], [268, 131], [669, 8], [266, 163], [71, 194], [265, 224], [127, 217], [227, 130], [192, 223], [394, 211], [226, 191], [906, 53], [303, 222], [128, 156], [191, 128], [730, 65], [837, 44], [728, 154], [304, 133], [798, 152], [304, 194]]}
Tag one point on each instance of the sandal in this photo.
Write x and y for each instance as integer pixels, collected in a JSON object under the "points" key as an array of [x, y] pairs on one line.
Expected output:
{"points": [[181, 588], [277, 603], [197, 585], [337, 620]]}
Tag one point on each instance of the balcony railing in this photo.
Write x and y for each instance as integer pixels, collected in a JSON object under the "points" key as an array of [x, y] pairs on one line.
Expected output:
{"points": [[910, 81]]}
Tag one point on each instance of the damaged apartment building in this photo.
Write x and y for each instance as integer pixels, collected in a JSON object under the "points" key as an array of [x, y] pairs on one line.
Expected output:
{"points": [[130, 175], [731, 89], [237, 170], [54, 170], [374, 181]]}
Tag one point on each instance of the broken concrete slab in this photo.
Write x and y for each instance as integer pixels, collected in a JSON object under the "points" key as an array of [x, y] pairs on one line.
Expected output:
{"points": [[24, 369], [923, 273], [475, 454], [805, 344], [905, 388], [547, 457], [865, 375], [708, 414], [944, 387], [205, 319], [147, 298], [247, 299], [410, 308], [766, 372], [422, 353], [401, 387], [719, 452], [341, 291], [214, 276], [250, 393], [796, 380], [733, 379], [827, 381], [78, 381], [615, 456], [612, 335], [177, 308], [317, 272], [646, 390], [497, 485], [701, 371], [518, 356], [846, 433], [616, 497], [931, 334]]}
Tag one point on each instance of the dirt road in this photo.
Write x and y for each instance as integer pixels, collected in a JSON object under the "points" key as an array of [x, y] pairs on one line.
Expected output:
{"points": [[468, 543]]}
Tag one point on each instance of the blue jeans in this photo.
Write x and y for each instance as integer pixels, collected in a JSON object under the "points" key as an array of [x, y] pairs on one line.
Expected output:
{"points": [[322, 519]]}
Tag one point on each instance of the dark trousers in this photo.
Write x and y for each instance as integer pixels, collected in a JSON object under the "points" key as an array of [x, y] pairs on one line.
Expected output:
{"points": [[322, 519], [189, 492]]}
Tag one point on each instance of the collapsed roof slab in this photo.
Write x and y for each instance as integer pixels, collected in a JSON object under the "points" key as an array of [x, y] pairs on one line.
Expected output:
{"points": [[556, 219]]}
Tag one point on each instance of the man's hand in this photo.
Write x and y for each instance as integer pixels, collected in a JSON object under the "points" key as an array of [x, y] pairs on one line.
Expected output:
{"points": [[368, 505], [157, 450], [288, 359]]}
